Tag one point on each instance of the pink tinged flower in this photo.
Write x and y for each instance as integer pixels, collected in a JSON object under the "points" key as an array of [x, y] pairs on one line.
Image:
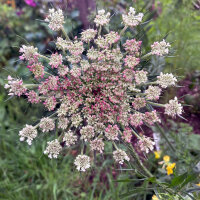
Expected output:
{"points": [[50, 103], [165, 80], [87, 132], [128, 75], [55, 19], [29, 53], [29, 133], [146, 144], [74, 59], [102, 18], [93, 54], [33, 97], [53, 149], [30, 3], [75, 71], [139, 103], [102, 43], [127, 135], [63, 123], [43, 88], [55, 60], [153, 93], [76, 48], [136, 119], [37, 69], [82, 162], [15, 86], [47, 124], [132, 19], [63, 70], [132, 46], [151, 117], [112, 132], [52, 82], [69, 138], [141, 77], [120, 156], [112, 37], [173, 108], [76, 120], [131, 61], [97, 145], [62, 44], [160, 48], [88, 35]]}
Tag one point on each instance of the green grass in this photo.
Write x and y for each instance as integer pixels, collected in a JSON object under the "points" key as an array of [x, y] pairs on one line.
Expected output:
{"points": [[26, 173]]}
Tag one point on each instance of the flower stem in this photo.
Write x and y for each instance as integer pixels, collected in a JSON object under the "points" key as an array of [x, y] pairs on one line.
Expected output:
{"points": [[123, 30], [139, 162], [164, 136], [145, 56], [65, 34]]}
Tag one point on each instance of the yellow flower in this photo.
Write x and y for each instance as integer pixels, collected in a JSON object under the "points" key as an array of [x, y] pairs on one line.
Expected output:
{"points": [[157, 154], [154, 197], [170, 168], [166, 158], [198, 184]]}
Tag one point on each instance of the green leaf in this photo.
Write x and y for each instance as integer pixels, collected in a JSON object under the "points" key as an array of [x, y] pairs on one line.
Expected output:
{"points": [[178, 180]]}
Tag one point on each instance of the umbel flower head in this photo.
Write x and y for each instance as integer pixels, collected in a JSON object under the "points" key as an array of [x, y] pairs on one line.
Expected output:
{"points": [[94, 89]]}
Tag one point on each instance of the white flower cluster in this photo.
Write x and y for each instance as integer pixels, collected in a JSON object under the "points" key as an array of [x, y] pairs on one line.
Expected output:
{"points": [[53, 149], [120, 156], [146, 144], [173, 108], [47, 124], [132, 19], [102, 18], [97, 145], [165, 80], [160, 48], [28, 132], [55, 19], [15, 86], [88, 35], [69, 138], [82, 162]]}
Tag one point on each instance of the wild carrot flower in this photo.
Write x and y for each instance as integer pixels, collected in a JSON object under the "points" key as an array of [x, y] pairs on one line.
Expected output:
{"points": [[47, 124], [69, 138], [160, 48], [96, 92], [97, 145], [173, 108], [102, 18], [88, 35], [82, 162], [146, 144], [132, 19], [53, 149], [120, 156], [29, 133], [165, 80], [15, 86], [55, 19]]}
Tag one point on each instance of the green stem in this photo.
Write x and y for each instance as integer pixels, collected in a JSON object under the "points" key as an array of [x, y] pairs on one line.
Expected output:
{"points": [[65, 34], [164, 136], [123, 30], [139, 162], [46, 58], [147, 55], [156, 104]]}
